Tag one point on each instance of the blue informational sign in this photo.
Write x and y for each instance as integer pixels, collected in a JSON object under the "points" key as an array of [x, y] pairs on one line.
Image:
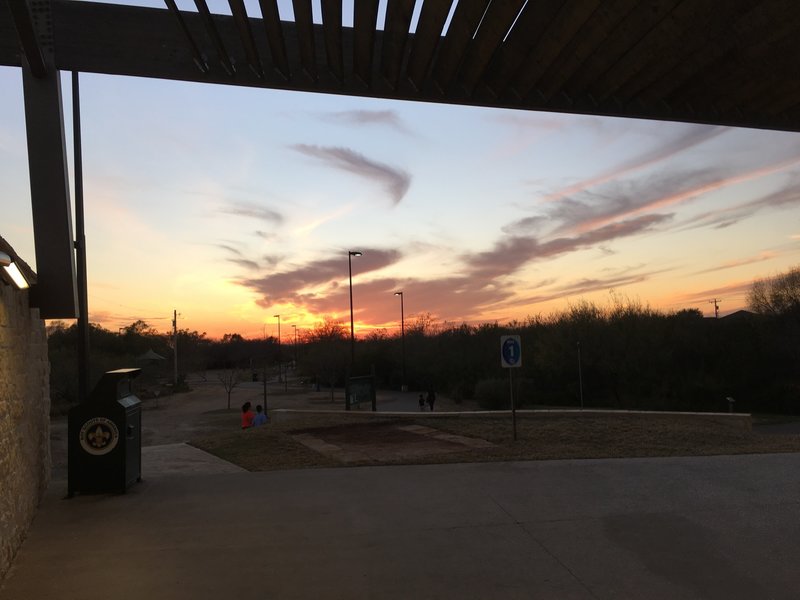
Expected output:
{"points": [[510, 351]]}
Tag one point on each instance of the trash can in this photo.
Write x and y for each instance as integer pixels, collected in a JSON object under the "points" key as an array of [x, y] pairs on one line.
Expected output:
{"points": [[105, 437]]}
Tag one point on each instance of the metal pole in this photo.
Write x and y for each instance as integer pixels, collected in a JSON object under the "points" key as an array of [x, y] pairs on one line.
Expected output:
{"points": [[402, 343], [513, 408], [580, 374], [280, 370], [295, 346], [80, 248], [265, 386], [352, 331], [175, 346]]}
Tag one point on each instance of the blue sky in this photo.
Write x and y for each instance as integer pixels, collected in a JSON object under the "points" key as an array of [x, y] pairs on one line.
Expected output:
{"points": [[234, 204]]}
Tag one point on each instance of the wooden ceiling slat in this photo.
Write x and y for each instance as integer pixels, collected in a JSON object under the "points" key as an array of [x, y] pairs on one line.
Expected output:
{"points": [[693, 41], [239, 13], [789, 99], [761, 41], [432, 18], [632, 70], [555, 38], [197, 55], [594, 32], [749, 80], [365, 19], [222, 54], [496, 23], [630, 31], [272, 27], [463, 25], [332, 28], [395, 36], [303, 18], [523, 38]]}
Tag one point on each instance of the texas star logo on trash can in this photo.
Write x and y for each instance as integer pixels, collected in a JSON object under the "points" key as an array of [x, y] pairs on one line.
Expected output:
{"points": [[99, 436]]}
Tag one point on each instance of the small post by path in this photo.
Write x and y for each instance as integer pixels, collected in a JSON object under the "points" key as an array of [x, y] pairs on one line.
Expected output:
{"points": [[511, 358]]}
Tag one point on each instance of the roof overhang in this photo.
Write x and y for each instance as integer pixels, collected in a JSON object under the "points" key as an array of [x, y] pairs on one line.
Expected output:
{"points": [[705, 61]]}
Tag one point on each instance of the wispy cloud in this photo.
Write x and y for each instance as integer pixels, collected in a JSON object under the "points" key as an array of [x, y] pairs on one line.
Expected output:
{"points": [[394, 180], [238, 257], [510, 254], [293, 285], [732, 264], [692, 136], [625, 199], [588, 285], [733, 291], [788, 195], [254, 211], [382, 118]]}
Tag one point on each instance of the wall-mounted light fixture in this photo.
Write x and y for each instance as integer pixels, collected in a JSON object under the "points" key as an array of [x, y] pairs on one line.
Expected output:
{"points": [[11, 268]]}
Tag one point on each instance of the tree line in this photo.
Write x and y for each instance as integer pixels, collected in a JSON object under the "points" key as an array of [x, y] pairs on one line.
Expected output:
{"points": [[631, 356]]}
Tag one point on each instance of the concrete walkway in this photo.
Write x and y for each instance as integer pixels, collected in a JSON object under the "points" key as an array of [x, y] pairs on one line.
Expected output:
{"points": [[669, 528]]}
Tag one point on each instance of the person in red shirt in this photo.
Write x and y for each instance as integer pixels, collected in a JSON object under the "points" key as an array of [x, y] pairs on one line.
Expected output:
{"points": [[247, 416]]}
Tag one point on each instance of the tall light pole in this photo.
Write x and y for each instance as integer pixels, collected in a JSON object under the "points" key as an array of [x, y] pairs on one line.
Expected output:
{"points": [[295, 346], [402, 343], [350, 255], [279, 346]]}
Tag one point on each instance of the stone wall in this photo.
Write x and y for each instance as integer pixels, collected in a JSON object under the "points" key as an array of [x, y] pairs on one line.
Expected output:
{"points": [[24, 418]]}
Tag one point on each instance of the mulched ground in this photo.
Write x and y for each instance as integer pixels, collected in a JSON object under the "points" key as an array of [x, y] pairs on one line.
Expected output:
{"points": [[539, 437]]}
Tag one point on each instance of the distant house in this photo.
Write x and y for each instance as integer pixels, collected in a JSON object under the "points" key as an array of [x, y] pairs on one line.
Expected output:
{"points": [[739, 315]]}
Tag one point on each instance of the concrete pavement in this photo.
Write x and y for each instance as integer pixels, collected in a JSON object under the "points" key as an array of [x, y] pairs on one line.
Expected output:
{"points": [[672, 528]]}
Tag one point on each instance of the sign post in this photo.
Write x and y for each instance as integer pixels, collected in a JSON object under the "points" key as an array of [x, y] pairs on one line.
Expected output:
{"points": [[511, 358]]}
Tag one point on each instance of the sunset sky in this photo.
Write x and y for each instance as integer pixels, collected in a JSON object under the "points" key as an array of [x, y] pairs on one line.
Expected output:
{"points": [[232, 205]]}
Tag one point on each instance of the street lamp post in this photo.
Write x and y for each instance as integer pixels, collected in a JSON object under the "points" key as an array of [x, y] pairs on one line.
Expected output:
{"points": [[402, 343], [350, 255], [295, 345], [279, 346]]}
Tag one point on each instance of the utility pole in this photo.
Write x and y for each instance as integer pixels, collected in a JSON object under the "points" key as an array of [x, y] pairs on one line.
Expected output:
{"points": [[175, 350], [715, 302]]}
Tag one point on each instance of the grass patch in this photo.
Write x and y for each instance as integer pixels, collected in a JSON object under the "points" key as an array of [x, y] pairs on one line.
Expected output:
{"points": [[540, 437]]}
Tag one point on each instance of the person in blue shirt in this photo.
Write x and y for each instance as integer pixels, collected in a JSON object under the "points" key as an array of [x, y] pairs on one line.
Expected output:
{"points": [[260, 418]]}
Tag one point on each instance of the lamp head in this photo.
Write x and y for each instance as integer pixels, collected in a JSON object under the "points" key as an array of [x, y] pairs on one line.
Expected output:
{"points": [[12, 270], [354, 253], [398, 293]]}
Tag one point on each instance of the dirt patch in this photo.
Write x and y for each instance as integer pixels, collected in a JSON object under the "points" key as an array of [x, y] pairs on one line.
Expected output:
{"points": [[382, 442], [539, 438]]}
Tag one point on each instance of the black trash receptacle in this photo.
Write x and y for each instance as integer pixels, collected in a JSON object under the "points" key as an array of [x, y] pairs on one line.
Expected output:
{"points": [[105, 437]]}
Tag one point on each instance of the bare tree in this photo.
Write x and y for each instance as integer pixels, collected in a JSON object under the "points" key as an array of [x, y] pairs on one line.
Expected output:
{"points": [[776, 295], [229, 378]]}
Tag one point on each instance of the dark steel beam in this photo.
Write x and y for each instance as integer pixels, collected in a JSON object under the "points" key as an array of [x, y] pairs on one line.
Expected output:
{"points": [[20, 12], [222, 54], [55, 293], [246, 35], [274, 31]]}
